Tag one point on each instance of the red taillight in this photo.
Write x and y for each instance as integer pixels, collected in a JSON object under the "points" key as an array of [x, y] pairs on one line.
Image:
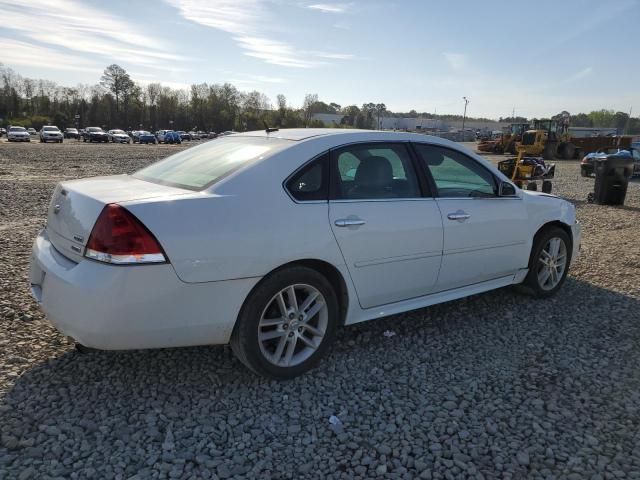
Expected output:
{"points": [[119, 237]]}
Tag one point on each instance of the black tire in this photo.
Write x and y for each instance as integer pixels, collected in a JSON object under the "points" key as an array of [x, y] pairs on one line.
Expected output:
{"points": [[244, 339], [532, 186], [539, 242], [549, 152], [511, 148], [82, 349], [583, 172], [546, 186]]}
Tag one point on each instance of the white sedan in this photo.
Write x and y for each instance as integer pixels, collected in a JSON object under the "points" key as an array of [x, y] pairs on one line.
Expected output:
{"points": [[272, 240], [18, 134], [119, 136], [51, 133]]}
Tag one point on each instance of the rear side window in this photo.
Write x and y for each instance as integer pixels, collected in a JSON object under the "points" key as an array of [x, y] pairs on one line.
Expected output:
{"points": [[375, 171], [312, 181], [198, 167]]}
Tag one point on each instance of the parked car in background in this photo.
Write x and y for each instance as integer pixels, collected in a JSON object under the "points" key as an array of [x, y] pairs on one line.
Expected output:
{"points": [[95, 134], [184, 135], [160, 134], [142, 136], [172, 137], [3, 131], [587, 164], [201, 258], [50, 133], [212, 135], [71, 133], [194, 136], [201, 135], [18, 134], [118, 136], [32, 131]]}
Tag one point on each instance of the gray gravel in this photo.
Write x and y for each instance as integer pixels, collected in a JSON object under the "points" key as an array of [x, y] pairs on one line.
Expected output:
{"points": [[493, 386]]}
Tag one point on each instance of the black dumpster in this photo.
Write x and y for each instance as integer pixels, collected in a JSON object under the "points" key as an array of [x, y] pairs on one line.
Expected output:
{"points": [[612, 178]]}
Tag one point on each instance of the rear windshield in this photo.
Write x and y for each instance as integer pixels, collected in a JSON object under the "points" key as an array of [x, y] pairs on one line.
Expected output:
{"points": [[198, 167], [17, 129]]}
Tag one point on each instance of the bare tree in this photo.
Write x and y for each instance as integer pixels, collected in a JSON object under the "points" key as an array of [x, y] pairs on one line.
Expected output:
{"points": [[117, 81], [307, 107]]}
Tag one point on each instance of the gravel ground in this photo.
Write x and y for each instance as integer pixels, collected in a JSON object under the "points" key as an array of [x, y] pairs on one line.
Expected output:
{"points": [[494, 386]]}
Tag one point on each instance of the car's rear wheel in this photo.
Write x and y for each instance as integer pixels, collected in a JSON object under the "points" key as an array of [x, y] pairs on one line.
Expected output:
{"points": [[287, 323], [549, 262]]}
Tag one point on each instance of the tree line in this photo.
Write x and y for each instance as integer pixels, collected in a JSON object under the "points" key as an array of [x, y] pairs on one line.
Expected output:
{"points": [[118, 101], [621, 121]]}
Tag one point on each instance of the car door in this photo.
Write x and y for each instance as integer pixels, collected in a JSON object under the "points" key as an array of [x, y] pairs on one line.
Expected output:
{"points": [[389, 230], [484, 234]]}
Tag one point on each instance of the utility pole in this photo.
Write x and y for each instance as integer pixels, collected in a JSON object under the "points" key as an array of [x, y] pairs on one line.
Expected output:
{"points": [[464, 115]]}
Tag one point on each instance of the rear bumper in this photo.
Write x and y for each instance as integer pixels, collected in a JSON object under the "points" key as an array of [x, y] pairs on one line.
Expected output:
{"points": [[128, 307]]}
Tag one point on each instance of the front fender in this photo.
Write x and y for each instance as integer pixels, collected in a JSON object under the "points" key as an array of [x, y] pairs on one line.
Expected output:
{"points": [[543, 208]]}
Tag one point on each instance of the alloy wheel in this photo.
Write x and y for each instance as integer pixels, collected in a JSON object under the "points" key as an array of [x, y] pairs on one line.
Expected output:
{"points": [[552, 263], [293, 325]]}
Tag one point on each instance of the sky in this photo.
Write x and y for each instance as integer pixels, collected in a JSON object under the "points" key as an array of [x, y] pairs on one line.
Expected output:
{"points": [[534, 58]]}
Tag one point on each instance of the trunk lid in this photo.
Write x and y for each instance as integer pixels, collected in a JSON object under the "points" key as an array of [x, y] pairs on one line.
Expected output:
{"points": [[76, 204]]}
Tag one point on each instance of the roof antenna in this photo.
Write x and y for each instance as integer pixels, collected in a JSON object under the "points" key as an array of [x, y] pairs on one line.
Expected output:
{"points": [[267, 129]]}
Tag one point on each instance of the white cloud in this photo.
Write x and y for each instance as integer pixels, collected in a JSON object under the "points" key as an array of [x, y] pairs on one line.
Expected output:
{"points": [[457, 61], [246, 21], [67, 25], [252, 81], [15, 52], [585, 72], [329, 7]]}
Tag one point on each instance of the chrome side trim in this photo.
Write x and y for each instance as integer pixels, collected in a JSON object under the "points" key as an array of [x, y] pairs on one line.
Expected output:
{"points": [[402, 258], [484, 247]]}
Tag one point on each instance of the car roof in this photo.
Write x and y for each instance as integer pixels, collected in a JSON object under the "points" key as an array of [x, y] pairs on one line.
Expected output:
{"points": [[299, 133], [302, 134]]}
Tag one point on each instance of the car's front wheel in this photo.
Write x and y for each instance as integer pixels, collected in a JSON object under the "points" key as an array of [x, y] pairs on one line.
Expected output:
{"points": [[549, 262], [287, 323]]}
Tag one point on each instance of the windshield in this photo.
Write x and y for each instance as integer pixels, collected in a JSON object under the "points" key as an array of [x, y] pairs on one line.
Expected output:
{"points": [[199, 167], [51, 129], [71, 130], [144, 132], [94, 129], [117, 131], [17, 129]]}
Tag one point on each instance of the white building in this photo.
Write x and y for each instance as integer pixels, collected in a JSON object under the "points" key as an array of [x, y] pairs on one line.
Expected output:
{"points": [[329, 119], [411, 123]]}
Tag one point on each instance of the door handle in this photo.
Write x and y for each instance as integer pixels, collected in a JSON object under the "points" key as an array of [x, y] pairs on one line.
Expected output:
{"points": [[349, 222], [460, 215]]}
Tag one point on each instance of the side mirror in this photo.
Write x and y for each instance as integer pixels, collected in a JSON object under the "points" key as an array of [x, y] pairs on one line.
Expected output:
{"points": [[506, 189]]}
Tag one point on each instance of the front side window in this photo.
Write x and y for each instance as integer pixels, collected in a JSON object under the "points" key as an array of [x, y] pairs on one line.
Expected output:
{"points": [[374, 171], [199, 167], [455, 174], [311, 182]]}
